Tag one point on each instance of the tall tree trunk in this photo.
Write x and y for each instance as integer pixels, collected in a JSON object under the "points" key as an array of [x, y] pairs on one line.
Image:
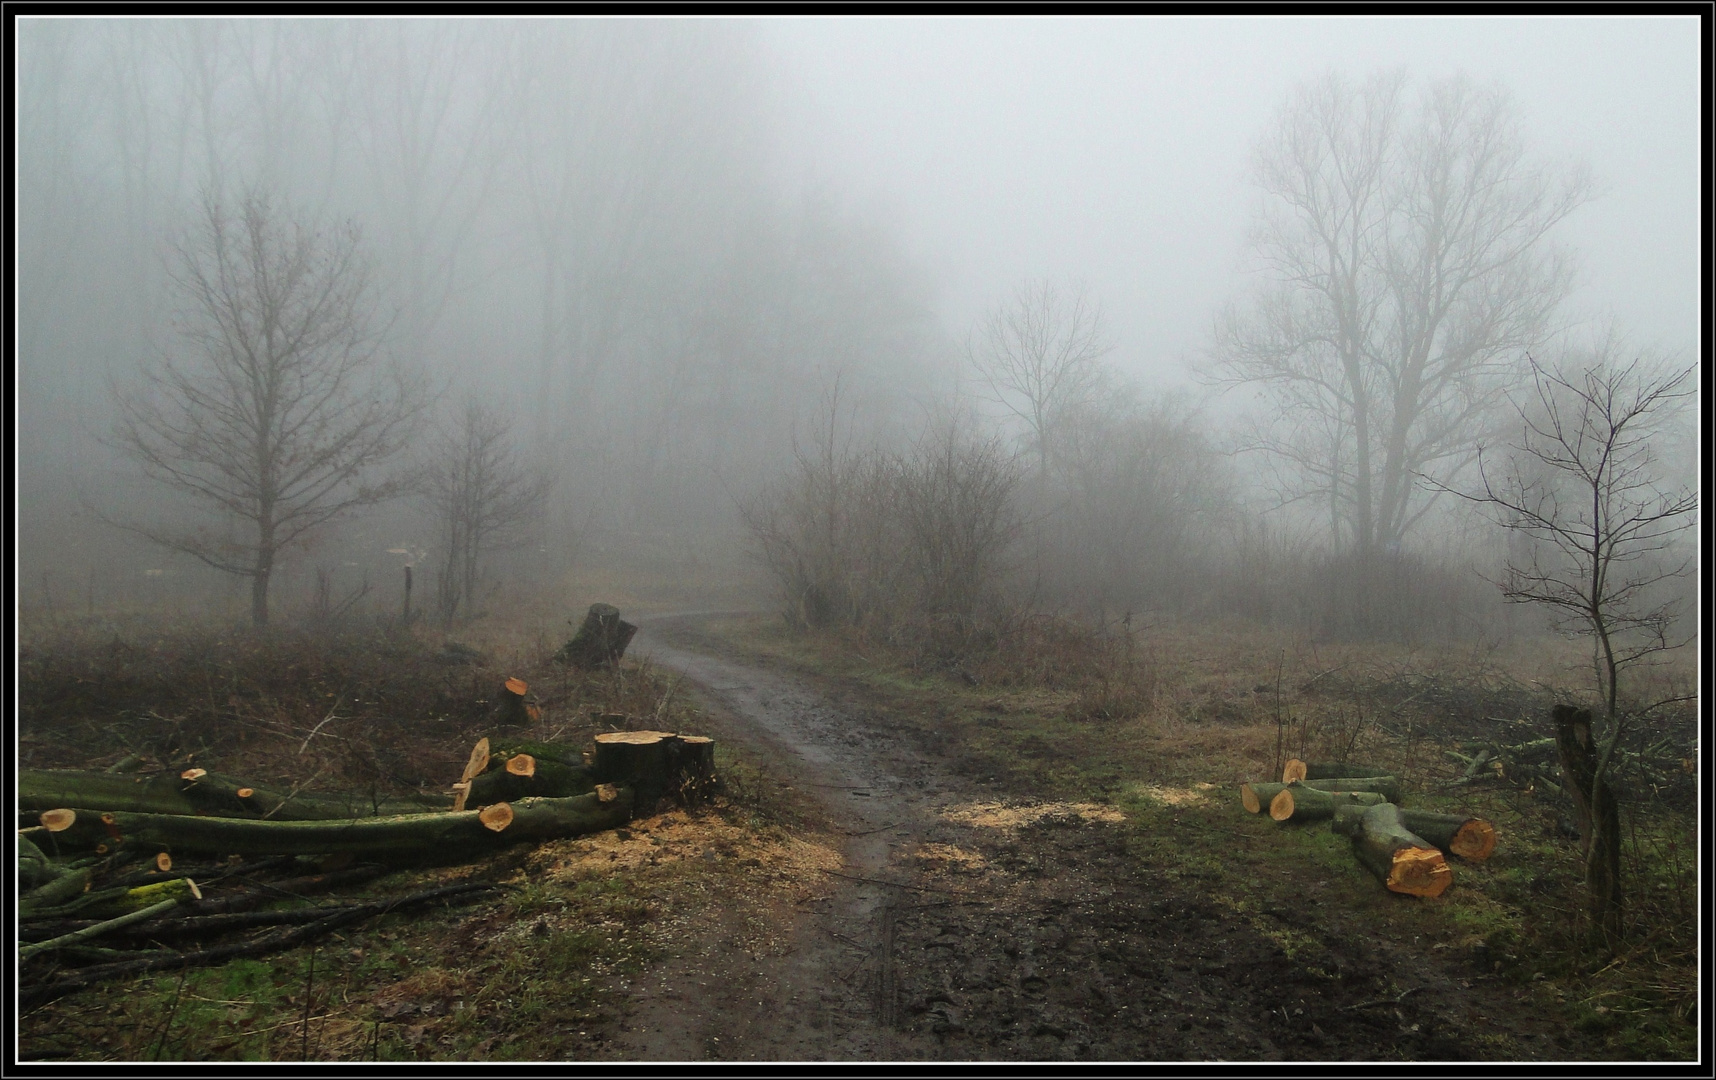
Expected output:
{"points": [[259, 588]]}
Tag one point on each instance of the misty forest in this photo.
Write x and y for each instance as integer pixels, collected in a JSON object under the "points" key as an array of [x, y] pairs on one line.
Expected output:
{"points": [[519, 558]]}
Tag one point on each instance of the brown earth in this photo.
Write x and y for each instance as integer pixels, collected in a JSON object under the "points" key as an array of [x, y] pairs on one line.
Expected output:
{"points": [[970, 921]]}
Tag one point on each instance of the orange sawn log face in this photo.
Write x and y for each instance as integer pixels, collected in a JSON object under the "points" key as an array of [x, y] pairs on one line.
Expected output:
{"points": [[1419, 872]]}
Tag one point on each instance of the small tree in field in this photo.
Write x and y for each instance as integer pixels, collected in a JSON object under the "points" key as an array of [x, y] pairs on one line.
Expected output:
{"points": [[280, 408], [482, 497], [1585, 489]]}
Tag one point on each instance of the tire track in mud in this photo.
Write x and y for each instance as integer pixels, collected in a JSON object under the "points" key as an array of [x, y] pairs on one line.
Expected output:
{"points": [[1046, 939]]}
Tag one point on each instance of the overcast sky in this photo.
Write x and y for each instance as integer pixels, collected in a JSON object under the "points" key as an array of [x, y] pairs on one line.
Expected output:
{"points": [[1114, 148]]}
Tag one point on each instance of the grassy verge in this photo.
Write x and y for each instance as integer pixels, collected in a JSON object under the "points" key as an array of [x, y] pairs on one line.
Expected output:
{"points": [[1169, 726]]}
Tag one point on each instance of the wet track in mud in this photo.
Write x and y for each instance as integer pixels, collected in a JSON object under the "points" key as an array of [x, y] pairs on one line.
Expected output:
{"points": [[947, 937]]}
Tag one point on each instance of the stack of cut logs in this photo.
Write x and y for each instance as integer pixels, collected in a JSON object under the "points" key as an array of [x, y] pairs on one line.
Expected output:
{"points": [[1405, 848], [97, 850]]}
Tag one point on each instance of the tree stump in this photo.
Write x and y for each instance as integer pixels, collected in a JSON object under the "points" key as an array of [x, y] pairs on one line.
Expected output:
{"points": [[1406, 862], [1598, 817], [513, 710], [601, 641]]}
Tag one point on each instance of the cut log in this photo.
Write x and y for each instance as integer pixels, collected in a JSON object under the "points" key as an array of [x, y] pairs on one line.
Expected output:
{"points": [[1406, 862], [495, 818], [474, 766], [197, 791], [1470, 838], [227, 796], [1297, 802], [521, 765], [405, 836], [61, 890], [600, 641], [1326, 770], [1256, 797], [547, 779], [47, 789], [647, 761], [1386, 786]]}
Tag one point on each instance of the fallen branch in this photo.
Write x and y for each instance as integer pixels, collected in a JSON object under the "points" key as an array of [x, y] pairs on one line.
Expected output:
{"points": [[31, 996]]}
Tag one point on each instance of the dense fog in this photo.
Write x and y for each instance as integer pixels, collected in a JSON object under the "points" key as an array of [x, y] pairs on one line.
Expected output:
{"points": [[936, 317]]}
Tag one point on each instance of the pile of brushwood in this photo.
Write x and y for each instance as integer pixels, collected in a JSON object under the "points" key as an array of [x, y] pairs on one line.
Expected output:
{"points": [[125, 872], [1405, 848]]}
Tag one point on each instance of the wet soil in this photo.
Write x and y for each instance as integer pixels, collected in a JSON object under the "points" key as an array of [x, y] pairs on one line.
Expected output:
{"points": [[971, 922]]}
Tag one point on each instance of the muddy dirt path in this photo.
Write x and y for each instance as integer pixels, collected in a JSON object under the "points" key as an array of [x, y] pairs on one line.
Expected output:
{"points": [[832, 995], [959, 930]]}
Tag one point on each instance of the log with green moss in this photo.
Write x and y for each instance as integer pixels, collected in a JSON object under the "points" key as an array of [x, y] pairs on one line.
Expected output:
{"points": [[522, 776], [1327, 770], [1406, 862], [1257, 797], [1469, 837], [1301, 803], [197, 791], [228, 796], [1386, 786], [404, 836]]}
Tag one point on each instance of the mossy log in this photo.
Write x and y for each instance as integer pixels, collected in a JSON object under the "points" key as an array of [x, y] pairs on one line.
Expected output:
{"points": [[1257, 797], [1470, 838], [35, 869], [404, 836], [157, 793], [1406, 863], [61, 890], [1327, 770], [228, 796], [600, 641], [1297, 802], [506, 781], [1386, 786], [197, 791]]}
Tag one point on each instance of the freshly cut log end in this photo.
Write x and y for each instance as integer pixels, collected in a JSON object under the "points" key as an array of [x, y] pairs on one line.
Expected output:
{"points": [[245, 793], [196, 892], [1248, 798], [58, 820], [478, 762], [1404, 861], [1292, 772], [1256, 797], [461, 792], [1296, 802], [517, 687], [496, 817], [521, 765], [1475, 840], [1419, 872], [607, 793], [163, 862], [193, 775]]}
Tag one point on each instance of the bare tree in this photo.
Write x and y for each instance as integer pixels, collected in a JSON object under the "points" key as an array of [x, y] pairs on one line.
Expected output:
{"points": [[1038, 352], [1585, 489], [281, 407], [483, 496], [1410, 272]]}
